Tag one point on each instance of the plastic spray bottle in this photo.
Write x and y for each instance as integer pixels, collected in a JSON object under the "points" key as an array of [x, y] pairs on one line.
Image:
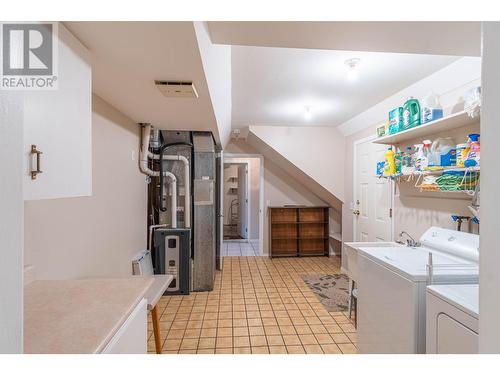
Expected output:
{"points": [[390, 163]]}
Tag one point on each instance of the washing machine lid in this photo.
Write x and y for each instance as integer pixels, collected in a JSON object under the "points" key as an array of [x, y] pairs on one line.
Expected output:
{"points": [[463, 297], [411, 263], [452, 242]]}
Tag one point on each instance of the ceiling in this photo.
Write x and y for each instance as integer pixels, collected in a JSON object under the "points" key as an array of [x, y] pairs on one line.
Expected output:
{"points": [[434, 38], [128, 56], [272, 86], [269, 85]]}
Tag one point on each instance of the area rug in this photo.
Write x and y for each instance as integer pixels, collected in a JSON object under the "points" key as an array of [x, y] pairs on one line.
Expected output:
{"points": [[331, 290]]}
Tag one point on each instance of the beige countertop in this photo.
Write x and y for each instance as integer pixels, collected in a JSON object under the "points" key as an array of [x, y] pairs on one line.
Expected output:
{"points": [[78, 316]]}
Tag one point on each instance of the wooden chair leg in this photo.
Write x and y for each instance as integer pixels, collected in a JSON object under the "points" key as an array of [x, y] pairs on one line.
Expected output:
{"points": [[156, 329]]}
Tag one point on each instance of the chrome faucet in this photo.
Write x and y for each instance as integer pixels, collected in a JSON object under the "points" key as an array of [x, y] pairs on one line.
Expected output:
{"points": [[410, 242]]}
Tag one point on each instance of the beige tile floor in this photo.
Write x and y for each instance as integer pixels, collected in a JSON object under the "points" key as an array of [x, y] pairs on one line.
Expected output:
{"points": [[258, 305]]}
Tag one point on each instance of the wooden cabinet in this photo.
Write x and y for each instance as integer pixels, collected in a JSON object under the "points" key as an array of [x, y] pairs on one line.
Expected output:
{"points": [[298, 231], [59, 123]]}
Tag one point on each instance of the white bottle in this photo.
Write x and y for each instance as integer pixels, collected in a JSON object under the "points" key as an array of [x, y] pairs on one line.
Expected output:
{"points": [[426, 154], [431, 109]]}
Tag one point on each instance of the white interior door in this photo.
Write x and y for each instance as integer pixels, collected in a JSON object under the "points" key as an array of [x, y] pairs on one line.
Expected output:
{"points": [[372, 195], [243, 200]]}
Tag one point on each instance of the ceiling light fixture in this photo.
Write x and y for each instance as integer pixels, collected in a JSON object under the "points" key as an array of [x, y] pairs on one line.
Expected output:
{"points": [[307, 112], [352, 64]]}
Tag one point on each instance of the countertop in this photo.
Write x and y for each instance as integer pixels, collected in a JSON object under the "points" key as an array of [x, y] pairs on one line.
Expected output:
{"points": [[78, 316]]}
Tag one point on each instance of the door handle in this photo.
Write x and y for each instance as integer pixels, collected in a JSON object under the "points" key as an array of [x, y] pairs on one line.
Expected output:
{"points": [[356, 212], [36, 152]]}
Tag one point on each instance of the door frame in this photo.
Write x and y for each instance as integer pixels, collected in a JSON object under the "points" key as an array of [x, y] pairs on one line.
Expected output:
{"points": [[354, 186], [231, 155]]}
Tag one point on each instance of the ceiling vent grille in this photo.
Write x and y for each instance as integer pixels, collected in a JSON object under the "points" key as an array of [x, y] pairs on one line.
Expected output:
{"points": [[177, 89]]}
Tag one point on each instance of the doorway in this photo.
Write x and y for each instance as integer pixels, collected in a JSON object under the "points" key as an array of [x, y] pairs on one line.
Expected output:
{"points": [[236, 200], [373, 198], [242, 202]]}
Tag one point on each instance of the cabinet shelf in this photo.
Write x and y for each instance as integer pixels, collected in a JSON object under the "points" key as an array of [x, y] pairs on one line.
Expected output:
{"points": [[453, 121], [298, 231]]}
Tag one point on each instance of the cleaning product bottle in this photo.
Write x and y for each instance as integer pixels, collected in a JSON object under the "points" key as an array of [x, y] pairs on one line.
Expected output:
{"points": [[417, 156], [398, 161], [431, 109], [443, 153], [462, 152], [426, 153], [411, 113], [473, 156], [390, 165], [407, 166]]}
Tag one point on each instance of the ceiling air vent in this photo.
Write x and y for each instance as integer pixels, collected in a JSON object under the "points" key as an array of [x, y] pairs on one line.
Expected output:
{"points": [[177, 89]]}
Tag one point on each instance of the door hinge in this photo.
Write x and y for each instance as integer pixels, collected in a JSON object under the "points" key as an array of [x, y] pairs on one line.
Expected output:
{"points": [[390, 213]]}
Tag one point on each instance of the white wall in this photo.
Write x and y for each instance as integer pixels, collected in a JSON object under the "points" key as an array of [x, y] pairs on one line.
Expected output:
{"points": [[489, 257], [317, 151], [11, 223], [216, 61], [94, 236]]}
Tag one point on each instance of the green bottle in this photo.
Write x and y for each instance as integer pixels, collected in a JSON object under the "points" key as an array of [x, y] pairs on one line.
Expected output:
{"points": [[398, 160], [411, 114]]}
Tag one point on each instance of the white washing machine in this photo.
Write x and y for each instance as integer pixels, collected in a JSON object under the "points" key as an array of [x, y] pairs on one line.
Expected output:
{"points": [[392, 288], [452, 319]]}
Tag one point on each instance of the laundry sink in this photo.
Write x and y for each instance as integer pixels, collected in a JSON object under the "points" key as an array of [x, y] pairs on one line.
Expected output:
{"points": [[350, 254]]}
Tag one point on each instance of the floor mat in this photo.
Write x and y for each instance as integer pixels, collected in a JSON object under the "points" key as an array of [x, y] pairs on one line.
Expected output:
{"points": [[331, 290]]}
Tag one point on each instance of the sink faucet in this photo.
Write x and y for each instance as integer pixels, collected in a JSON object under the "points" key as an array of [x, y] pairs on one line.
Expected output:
{"points": [[410, 242]]}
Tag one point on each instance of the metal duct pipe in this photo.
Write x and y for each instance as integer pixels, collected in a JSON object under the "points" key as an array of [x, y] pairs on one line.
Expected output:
{"points": [[143, 155], [173, 202], [187, 182], [143, 165], [161, 155]]}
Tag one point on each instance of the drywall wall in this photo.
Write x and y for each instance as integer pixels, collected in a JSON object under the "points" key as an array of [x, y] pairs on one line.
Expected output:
{"points": [[445, 82], [254, 196], [489, 257], [94, 236], [216, 61], [11, 223], [411, 209], [317, 151], [280, 188]]}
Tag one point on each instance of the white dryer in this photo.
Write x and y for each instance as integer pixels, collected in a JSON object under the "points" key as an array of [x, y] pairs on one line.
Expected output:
{"points": [[392, 286], [452, 319]]}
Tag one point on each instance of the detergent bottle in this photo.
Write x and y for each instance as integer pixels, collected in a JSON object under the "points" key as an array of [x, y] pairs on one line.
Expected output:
{"points": [[473, 156], [390, 164], [443, 152], [431, 109], [411, 114]]}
